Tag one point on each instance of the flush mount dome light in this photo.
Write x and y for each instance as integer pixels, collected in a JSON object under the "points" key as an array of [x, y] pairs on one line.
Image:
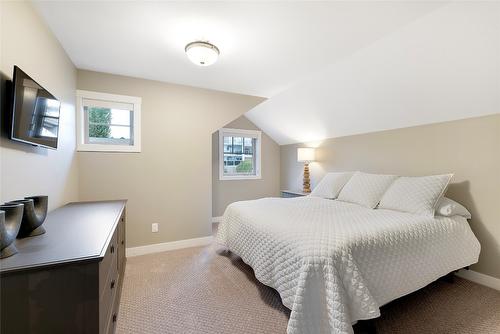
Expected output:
{"points": [[202, 53]]}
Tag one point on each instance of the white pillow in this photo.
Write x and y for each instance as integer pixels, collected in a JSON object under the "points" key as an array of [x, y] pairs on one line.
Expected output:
{"points": [[449, 208], [366, 189], [331, 184], [418, 195]]}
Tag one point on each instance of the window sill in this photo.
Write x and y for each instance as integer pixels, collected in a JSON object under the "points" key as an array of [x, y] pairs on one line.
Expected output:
{"points": [[240, 178], [108, 148]]}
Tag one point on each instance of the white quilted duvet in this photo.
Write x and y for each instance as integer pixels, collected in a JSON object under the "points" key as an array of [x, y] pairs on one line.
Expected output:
{"points": [[334, 263]]}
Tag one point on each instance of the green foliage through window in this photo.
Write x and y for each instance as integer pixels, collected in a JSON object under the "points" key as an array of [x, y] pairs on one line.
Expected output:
{"points": [[99, 122], [245, 167]]}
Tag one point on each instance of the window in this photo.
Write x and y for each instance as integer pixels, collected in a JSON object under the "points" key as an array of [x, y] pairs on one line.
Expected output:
{"points": [[239, 154], [108, 122]]}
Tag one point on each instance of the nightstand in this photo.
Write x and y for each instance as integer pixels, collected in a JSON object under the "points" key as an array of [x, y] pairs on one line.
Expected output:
{"points": [[292, 193]]}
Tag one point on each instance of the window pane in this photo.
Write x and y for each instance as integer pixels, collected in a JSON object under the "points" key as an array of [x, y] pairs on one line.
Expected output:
{"points": [[249, 144], [239, 161], [239, 154], [237, 145], [232, 163], [109, 126], [99, 131], [98, 115], [245, 167], [120, 117], [120, 132], [228, 144]]}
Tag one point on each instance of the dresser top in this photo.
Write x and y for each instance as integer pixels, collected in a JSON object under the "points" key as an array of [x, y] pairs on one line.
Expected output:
{"points": [[76, 232]]}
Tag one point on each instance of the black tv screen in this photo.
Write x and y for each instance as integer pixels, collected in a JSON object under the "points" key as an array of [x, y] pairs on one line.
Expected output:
{"points": [[35, 113]]}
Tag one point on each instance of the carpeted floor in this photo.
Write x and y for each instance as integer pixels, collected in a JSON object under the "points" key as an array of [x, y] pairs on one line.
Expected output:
{"points": [[209, 290]]}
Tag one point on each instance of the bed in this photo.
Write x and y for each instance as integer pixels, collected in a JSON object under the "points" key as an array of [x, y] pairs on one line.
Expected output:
{"points": [[334, 263]]}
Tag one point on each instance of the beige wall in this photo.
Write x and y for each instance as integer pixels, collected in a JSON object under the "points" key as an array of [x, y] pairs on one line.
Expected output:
{"points": [[228, 191], [469, 148], [169, 182], [26, 41]]}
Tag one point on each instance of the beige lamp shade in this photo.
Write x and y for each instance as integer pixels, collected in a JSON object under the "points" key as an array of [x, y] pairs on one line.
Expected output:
{"points": [[305, 154]]}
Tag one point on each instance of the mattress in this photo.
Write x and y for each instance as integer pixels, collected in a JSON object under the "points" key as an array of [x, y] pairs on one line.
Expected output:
{"points": [[334, 263]]}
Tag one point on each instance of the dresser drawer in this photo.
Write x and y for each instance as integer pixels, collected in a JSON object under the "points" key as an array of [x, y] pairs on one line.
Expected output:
{"points": [[109, 261], [121, 245], [108, 297], [113, 319]]}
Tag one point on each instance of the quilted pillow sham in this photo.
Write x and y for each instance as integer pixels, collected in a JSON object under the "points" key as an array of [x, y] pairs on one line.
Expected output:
{"points": [[366, 189], [331, 184], [418, 195]]}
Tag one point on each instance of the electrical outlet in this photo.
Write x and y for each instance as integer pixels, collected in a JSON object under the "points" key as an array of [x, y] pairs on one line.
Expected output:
{"points": [[154, 227]]}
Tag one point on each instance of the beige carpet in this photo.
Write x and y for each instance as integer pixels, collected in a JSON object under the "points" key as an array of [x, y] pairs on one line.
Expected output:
{"points": [[208, 290]]}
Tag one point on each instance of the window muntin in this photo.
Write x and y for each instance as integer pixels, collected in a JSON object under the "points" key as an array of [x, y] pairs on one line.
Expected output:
{"points": [[239, 154]]}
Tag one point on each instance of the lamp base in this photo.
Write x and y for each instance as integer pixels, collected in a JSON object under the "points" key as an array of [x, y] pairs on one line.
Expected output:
{"points": [[306, 184]]}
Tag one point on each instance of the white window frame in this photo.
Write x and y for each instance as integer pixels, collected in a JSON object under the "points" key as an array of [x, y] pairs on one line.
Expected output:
{"points": [[80, 122], [240, 133]]}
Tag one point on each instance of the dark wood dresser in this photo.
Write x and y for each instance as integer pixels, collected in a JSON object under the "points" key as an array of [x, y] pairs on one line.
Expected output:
{"points": [[69, 279]]}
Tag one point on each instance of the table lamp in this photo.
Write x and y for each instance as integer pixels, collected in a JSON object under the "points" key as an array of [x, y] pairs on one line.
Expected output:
{"points": [[306, 155]]}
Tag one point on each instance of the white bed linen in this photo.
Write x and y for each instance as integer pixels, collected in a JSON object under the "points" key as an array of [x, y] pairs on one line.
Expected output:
{"points": [[334, 263]]}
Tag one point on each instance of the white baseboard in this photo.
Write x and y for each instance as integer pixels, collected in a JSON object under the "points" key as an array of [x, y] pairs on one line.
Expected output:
{"points": [[474, 276], [216, 219], [167, 246]]}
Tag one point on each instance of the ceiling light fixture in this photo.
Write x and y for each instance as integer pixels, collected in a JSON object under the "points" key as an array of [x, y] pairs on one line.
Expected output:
{"points": [[202, 53]]}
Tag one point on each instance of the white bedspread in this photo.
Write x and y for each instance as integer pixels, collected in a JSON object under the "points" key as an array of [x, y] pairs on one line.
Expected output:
{"points": [[334, 263]]}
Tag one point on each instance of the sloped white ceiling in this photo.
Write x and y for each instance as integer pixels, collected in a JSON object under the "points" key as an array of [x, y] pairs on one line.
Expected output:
{"points": [[443, 66], [329, 69], [265, 45]]}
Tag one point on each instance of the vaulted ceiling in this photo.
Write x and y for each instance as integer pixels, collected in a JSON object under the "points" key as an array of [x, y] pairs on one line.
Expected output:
{"points": [[327, 68], [442, 67]]}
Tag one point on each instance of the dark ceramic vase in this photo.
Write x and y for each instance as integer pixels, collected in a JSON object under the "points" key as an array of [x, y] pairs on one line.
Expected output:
{"points": [[10, 222], [35, 212]]}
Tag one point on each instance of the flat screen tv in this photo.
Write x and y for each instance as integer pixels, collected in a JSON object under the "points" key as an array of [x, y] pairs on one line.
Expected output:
{"points": [[35, 112]]}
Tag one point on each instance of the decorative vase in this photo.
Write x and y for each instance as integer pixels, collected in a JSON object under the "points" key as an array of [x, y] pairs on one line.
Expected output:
{"points": [[35, 212], [10, 222]]}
